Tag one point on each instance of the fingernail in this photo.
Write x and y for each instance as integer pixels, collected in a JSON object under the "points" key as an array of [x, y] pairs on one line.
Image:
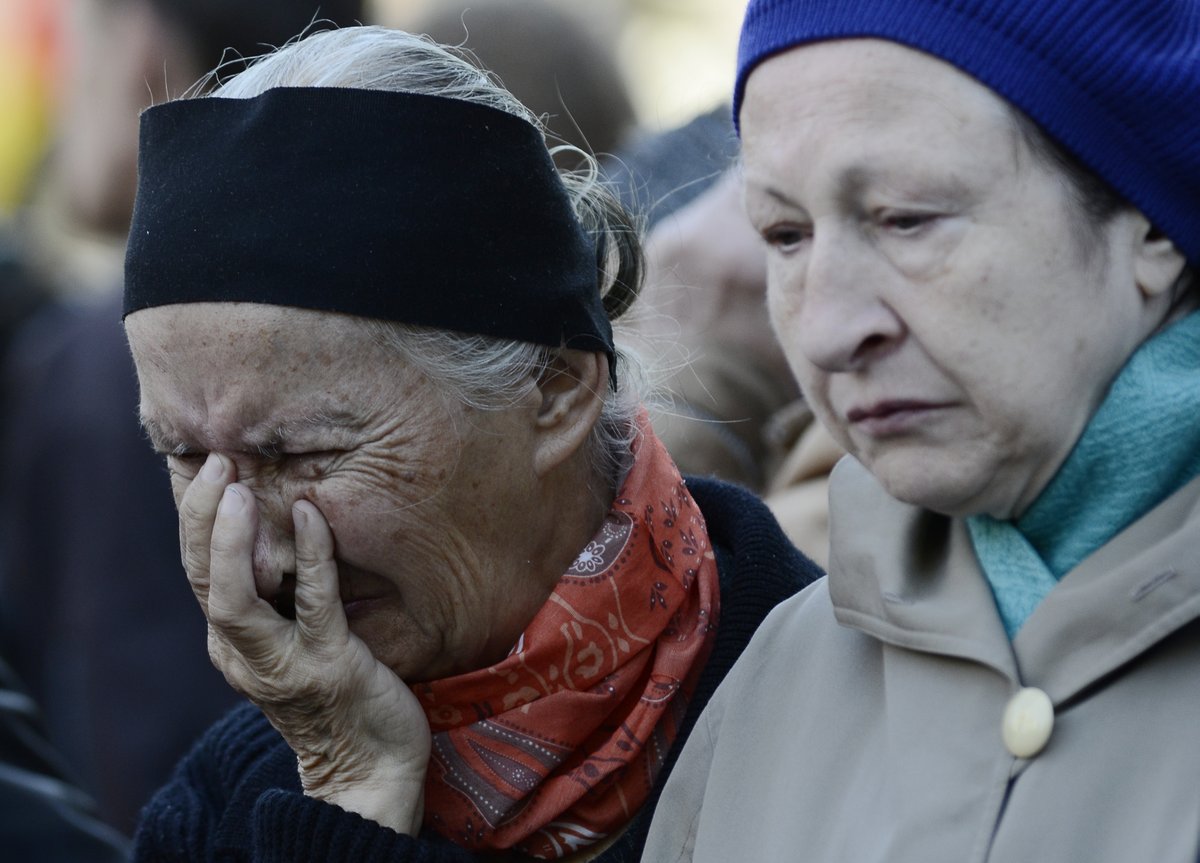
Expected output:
{"points": [[299, 516], [232, 500], [212, 470]]}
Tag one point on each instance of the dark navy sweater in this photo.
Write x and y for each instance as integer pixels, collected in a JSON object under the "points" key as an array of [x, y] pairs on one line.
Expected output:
{"points": [[237, 797]]}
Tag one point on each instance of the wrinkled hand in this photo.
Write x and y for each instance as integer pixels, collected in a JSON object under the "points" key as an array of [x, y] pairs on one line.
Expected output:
{"points": [[358, 732]]}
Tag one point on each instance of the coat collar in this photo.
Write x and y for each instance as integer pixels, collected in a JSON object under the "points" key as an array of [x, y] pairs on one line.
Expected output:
{"points": [[909, 577]]}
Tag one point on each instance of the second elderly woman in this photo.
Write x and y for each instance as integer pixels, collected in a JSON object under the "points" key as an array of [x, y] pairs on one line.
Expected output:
{"points": [[438, 547], [982, 222]]}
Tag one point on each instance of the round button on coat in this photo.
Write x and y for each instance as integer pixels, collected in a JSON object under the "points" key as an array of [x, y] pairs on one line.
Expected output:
{"points": [[1028, 721]]}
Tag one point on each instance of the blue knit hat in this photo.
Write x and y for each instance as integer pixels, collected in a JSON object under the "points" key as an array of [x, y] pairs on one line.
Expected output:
{"points": [[1116, 82]]}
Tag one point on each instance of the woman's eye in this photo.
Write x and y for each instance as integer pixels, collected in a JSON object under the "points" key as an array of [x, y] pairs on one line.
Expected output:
{"points": [[907, 223], [186, 463], [785, 238], [321, 455]]}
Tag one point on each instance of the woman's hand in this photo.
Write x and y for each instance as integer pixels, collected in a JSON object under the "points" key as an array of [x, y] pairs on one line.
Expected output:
{"points": [[359, 734]]}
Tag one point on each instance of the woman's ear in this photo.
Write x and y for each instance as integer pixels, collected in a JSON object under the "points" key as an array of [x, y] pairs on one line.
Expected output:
{"points": [[572, 390], [1157, 263]]}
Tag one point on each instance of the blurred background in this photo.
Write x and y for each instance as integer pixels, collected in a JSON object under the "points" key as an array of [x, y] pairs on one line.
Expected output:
{"points": [[676, 56], [29, 31]]}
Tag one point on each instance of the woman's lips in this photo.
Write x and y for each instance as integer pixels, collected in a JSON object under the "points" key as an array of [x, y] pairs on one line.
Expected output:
{"points": [[892, 417]]}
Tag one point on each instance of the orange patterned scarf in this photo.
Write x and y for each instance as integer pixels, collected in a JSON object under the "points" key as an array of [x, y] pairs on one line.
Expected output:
{"points": [[554, 748]]}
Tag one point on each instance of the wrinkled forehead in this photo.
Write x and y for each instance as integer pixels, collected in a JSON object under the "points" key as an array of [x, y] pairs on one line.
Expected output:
{"points": [[860, 106], [182, 327], [194, 350], [866, 76], [222, 374]]}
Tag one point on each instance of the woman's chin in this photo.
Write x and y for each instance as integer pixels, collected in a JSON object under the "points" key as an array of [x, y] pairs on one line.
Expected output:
{"points": [[412, 653], [939, 488]]}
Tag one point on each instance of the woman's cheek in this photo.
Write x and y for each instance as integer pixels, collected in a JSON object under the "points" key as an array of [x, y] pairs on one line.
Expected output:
{"points": [[330, 500], [929, 256]]}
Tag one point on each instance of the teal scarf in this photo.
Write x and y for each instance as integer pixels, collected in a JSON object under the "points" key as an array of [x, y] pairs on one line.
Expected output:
{"points": [[1142, 445]]}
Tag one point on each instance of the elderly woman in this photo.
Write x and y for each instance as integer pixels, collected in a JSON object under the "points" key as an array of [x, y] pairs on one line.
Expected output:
{"points": [[474, 605], [983, 228]]}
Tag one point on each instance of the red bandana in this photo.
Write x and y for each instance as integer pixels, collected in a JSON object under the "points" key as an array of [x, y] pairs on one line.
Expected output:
{"points": [[554, 748]]}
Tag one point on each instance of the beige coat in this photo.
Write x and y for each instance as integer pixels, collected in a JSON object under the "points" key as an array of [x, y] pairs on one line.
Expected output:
{"points": [[877, 737]]}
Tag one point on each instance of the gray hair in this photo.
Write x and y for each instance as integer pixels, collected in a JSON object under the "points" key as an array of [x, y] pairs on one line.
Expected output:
{"points": [[482, 372]]}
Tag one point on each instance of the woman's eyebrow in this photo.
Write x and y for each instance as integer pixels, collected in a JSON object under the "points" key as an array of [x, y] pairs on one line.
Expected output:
{"points": [[266, 442], [160, 440], [851, 183], [278, 434]]}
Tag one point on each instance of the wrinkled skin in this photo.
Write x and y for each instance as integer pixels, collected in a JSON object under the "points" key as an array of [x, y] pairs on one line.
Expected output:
{"points": [[367, 760], [420, 536], [951, 315]]}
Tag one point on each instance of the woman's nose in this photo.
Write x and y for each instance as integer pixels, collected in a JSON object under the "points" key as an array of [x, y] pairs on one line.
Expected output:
{"points": [[834, 305], [274, 546]]}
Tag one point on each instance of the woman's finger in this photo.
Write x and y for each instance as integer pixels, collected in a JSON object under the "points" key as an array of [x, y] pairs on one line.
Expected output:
{"points": [[197, 509], [234, 607], [319, 613]]}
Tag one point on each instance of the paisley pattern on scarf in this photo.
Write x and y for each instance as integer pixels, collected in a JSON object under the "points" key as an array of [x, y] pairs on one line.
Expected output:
{"points": [[554, 748]]}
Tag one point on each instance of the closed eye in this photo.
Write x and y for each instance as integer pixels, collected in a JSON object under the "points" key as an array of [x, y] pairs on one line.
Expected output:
{"points": [[907, 223], [278, 453], [185, 462], [313, 455]]}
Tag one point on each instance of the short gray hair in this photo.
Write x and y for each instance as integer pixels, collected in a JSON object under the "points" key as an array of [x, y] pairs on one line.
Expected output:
{"points": [[482, 372]]}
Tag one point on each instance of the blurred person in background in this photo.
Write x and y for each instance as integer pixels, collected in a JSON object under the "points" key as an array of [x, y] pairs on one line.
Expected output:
{"points": [[983, 233], [725, 399], [657, 172], [28, 64], [726, 403], [731, 406], [119, 56], [547, 56], [28, 54], [44, 816], [438, 545], [106, 640]]}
